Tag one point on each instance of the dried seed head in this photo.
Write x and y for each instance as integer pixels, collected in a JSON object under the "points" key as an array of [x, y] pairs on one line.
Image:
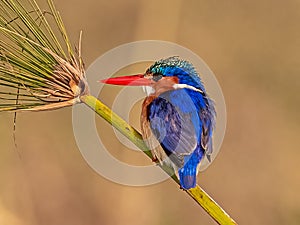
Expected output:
{"points": [[38, 69]]}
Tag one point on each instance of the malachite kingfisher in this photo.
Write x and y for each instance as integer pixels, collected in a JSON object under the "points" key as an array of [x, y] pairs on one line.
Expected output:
{"points": [[177, 118]]}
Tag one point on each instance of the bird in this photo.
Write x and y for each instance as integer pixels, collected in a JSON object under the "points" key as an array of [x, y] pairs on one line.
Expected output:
{"points": [[177, 117]]}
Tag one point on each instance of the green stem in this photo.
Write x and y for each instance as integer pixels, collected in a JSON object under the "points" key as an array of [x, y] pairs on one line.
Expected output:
{"points": [[200, 196]]}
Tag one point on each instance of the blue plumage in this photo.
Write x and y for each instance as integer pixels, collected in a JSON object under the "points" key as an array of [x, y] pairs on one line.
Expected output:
{"points": [[182, 120], [174, 66]]}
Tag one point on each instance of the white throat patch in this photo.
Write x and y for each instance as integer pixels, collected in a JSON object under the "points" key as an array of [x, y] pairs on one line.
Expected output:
{"points": [[148, 90]]}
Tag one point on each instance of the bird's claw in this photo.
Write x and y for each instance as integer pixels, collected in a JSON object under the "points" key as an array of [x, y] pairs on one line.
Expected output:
{"points": [[155, 160]]}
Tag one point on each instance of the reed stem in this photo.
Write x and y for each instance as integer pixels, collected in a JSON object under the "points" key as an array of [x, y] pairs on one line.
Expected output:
{"points": [[199, 195]]}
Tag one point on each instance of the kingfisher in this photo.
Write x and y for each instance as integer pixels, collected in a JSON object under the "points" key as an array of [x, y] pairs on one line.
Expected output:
{"points": [[177, 116]]}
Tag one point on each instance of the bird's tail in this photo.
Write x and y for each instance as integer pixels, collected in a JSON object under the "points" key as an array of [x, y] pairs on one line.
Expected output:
{"points": [[188, 173], [187, 181], [187, 176]]}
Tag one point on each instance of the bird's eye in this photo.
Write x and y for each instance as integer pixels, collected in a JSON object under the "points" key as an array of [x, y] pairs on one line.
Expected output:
{"points": [[157, 77]]}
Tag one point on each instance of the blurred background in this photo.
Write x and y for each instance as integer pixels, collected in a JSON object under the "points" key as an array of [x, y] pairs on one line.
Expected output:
{"points": [[253, 47]]}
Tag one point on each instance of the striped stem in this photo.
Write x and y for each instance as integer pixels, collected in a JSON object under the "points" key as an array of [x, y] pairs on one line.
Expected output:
{"points": [[199, 195]]}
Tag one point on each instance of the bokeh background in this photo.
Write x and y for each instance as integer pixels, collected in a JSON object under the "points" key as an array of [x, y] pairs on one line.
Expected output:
{"points": [[253, 47]]}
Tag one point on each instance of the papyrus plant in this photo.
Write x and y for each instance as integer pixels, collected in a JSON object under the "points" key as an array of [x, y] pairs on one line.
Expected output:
{"points": [[39, 70]]}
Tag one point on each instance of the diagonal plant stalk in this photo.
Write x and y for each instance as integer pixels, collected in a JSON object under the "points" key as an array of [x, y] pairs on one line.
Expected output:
{"points": [[39, 70], [199, 195]]}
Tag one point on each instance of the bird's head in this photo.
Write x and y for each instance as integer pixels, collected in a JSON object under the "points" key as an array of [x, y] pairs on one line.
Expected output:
{"points": [[166, 74]]}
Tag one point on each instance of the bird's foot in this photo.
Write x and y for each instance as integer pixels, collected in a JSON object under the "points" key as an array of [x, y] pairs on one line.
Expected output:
{"points": [[155, 160]]}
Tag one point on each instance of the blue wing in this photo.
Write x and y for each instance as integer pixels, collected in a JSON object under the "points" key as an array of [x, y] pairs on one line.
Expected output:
{"points": [[182, 123], [175, 122]]}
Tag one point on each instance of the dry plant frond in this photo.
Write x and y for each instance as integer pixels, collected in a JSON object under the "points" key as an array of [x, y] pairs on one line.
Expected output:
{"points": [[38, 71]]}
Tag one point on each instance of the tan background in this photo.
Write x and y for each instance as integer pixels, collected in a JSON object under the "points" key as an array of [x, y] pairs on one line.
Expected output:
{"points": [[253, 47]]}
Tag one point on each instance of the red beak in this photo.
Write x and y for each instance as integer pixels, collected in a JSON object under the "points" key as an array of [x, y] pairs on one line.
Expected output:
{"points": [[133, 80]]}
